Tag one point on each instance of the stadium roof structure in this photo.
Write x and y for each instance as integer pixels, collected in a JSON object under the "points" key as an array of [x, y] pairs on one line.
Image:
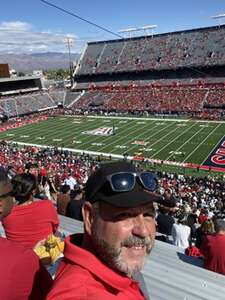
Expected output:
{"points": [[145, 28], [218, 16], [8, 79]]}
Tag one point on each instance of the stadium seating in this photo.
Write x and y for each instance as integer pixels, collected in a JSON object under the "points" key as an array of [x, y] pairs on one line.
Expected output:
{"points": [[183, 98], [70, 97], [215, 97], [24, 104], [191, 48], [58, 96]]}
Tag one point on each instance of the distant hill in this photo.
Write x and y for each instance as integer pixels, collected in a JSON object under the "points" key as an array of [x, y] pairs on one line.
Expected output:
{"points": [[38, 61]]}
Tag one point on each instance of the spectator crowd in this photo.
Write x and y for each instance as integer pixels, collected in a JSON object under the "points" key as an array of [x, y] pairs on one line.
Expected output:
{"points": [[43, 182], [192, 99]]}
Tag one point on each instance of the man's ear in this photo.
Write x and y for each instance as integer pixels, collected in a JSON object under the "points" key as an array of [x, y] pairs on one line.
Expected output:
{"points": [[88, 217]]}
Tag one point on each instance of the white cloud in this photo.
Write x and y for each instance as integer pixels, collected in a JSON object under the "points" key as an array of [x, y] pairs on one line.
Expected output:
{"points": [[19, 37], [17, 25]]}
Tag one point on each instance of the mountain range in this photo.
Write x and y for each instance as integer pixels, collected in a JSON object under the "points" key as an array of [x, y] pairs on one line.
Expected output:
{"points": [[38, 61]]}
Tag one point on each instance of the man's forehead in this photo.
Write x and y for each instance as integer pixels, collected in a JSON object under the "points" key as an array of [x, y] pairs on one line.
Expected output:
{"points": [[138, 209]]}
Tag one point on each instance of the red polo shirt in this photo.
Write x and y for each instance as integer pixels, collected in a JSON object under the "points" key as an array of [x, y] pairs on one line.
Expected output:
{"points": [[22, 276], [213, 248], [82, 275]]}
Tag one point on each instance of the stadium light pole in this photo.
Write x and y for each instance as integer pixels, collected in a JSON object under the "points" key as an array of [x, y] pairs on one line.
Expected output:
{"points": [[149, 27], [128, 31], [69, 41], [136, 29]]}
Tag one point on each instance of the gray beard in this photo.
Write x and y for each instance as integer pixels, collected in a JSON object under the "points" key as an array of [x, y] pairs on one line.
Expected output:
{"points": [[111, 256]]}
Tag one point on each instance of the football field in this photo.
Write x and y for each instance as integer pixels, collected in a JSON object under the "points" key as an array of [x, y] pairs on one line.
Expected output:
{"points": [[177, 140]]}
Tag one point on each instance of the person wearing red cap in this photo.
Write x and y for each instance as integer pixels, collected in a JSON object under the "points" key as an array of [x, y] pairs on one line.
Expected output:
{"points": [[119, 232]]}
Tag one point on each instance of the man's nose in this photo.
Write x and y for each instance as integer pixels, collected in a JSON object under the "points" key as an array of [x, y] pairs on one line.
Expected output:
{"points": [[140, 226]]}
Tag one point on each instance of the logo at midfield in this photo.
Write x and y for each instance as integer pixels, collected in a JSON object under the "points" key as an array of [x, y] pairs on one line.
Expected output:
{"points": [[103, 131]]}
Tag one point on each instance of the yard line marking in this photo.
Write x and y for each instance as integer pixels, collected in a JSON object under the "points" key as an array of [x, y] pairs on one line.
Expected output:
{"points": [[152, 144], [152, 119], [202, 143], [170, 125], [131, 133], [183, 132], [186, 142], [52, 133]]}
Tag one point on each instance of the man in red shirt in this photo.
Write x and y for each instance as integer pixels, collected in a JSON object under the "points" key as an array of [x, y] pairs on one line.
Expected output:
{"points": [[22, 276], [213, 248], [119, 232]]}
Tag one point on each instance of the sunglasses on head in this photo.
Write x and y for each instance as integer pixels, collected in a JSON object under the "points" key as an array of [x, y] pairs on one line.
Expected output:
{"points": [[125, 181]]}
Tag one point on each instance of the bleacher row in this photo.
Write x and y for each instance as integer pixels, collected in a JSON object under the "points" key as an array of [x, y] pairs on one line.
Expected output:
{"points": [[191, 48], [33, 102], [154, 99], [151, 82], [162, 99]]}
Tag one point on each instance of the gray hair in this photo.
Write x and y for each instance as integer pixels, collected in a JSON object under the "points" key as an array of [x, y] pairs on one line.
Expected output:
{"points": [[219, 225]]}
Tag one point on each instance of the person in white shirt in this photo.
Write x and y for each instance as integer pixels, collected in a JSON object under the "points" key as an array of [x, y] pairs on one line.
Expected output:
{"points": [[70, 181], [181, 233]]}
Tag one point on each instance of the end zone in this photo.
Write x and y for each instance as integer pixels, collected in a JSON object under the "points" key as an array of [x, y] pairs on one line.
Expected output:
{"points": [[216, 158]]}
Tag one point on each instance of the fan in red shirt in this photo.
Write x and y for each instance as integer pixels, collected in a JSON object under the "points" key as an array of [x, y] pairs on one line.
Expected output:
{"points": [[213, 248], [22, 275], [29, 220]]}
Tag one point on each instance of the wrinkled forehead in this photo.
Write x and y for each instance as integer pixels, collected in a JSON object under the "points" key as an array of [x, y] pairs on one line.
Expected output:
{"points": [[108, 209]]}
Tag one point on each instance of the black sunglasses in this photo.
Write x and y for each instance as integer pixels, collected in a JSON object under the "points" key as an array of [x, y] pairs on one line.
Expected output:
{"points": [[125, 181]]}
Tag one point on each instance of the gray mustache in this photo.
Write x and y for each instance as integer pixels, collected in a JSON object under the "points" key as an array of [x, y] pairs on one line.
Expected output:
{"points": [[134, 241]]}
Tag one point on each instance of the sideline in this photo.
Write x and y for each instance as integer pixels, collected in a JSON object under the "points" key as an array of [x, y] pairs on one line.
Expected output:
{"points": [[144, 119]]}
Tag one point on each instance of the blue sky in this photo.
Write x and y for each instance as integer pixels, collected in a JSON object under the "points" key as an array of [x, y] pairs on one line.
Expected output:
{"points": [[32, 26]]}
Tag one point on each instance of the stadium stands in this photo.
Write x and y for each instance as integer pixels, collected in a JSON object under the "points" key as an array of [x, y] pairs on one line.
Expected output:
{"points": [[71, 97], [178, 72], [191, 48], [215, 97], [58, 96], [157, 98], [24, 104]]}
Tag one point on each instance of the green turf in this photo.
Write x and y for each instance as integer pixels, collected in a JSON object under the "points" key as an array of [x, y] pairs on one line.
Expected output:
{"points": [[182, 141]]}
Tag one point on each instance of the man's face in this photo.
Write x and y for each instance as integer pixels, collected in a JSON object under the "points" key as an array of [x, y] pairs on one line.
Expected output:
{"points": [[122, 237]]}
